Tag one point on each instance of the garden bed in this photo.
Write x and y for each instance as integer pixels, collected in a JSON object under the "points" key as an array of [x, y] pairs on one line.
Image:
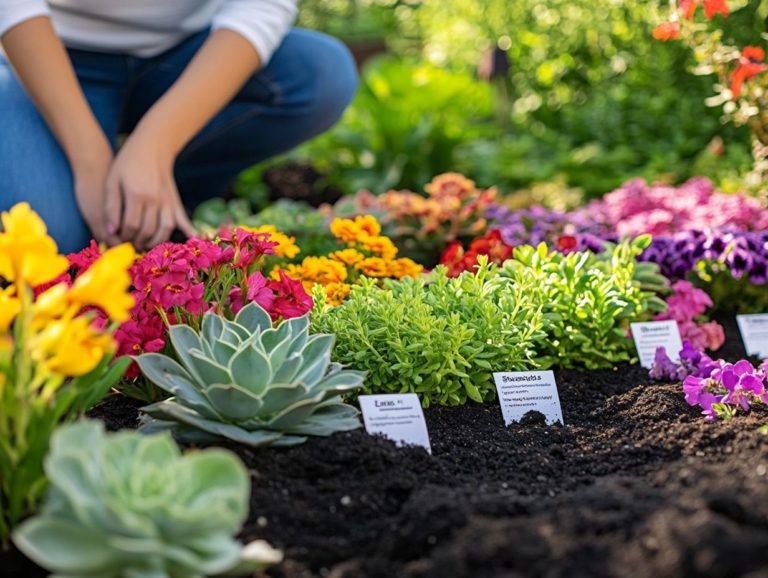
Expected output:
{"points": [[636, 484]]}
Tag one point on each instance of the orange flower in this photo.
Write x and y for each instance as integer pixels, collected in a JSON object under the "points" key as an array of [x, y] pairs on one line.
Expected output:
{"points": [[335, 293], [404, 267], [451, 185], [322, 270], [374, 267], [347, 256], [667, 31], [750, 64], [352, 231], [382, 246]]}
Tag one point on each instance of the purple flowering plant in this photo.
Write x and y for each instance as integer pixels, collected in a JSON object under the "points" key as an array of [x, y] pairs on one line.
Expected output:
{"points": [[730, 388], [690, 362]]}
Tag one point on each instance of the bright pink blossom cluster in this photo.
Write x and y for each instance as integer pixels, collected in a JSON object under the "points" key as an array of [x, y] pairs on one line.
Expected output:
{"points": [[178, 282], [638, 208], [729, 388], [686, 305]]}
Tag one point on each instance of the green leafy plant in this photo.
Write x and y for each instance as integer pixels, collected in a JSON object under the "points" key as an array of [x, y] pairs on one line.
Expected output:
{"points": [[404, 127], [126, 505], [588, 300], [441, 340], [245, 381]]}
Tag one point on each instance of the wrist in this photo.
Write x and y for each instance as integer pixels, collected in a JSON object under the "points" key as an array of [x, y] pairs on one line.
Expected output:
{"points": [[155, 138], [91, 159]]}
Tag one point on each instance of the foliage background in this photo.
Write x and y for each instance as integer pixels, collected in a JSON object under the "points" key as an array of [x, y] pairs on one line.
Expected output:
{"points": [[590, 100]]}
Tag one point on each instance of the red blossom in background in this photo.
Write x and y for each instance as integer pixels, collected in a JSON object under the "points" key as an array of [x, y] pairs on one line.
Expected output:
{"points": [[457, 260], [711, 7], [567, 244], [750, 64], [666, 31]]}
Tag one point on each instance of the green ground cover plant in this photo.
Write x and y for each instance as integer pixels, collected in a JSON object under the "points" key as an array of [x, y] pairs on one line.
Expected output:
{"points": [[441, 339]]}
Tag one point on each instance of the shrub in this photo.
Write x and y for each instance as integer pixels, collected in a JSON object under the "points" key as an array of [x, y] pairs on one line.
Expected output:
{"points": [[588, 300], [441, 340]]}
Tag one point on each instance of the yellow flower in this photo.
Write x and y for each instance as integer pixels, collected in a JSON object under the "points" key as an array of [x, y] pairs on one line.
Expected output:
{"points": [[335, 293], [286, 247], [9, 308], [347, 256], [322, 270], [374, 267], [404, 267], [352, 231], [27, 254], [71, 347], [382, 246], [105, 284]]}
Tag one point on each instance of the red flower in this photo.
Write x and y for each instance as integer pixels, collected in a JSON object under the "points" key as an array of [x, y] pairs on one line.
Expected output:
{"points": [[457, 260], [291, 300], [750, 64], [711, 7], [666, 31], [84, 259], [566, 243]]}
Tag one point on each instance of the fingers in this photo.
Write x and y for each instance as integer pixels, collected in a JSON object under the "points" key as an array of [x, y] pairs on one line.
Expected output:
{"points": [[165, 226], [132, 216], [148, 224], [113, 208]]}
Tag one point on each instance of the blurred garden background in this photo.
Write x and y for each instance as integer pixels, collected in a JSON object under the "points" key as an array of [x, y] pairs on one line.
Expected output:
{"points": [[553, 102]]}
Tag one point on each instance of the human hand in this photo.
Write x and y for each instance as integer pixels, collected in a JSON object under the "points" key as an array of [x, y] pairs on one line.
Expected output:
{"points": [[142, 203], [90, 176]]}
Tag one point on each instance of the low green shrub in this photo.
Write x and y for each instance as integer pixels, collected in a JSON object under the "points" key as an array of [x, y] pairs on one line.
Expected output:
{"points": [[441, 340], [126, 504], [588, 300]]}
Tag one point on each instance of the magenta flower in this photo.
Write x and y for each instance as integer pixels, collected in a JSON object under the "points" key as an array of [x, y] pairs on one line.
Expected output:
{"points": [[257, 290], [291, 299]]}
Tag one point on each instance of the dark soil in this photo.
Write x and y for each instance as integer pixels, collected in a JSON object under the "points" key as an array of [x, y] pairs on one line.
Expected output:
{"points": [[635, 484], [299, 182]]}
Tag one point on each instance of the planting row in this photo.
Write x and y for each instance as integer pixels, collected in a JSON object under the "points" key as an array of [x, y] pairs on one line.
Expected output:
{"points": [[240, 337]]}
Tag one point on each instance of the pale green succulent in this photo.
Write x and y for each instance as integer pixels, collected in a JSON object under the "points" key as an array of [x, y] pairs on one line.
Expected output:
{"points": [[127, 505], [247, 382]]}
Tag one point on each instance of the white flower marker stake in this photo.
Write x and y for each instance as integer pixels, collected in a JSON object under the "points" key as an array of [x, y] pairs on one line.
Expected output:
{"points": [[653, 334], [398, 417], [754, 333], [524, 391]]}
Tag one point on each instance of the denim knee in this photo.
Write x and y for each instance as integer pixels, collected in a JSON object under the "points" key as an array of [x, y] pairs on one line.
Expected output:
{"points": [[325, 78]]}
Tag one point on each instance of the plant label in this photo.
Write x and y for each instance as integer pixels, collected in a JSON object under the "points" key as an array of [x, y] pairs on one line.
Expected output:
{"points": [[398, 417], [650, 335], [524, 391], [754, 333]]}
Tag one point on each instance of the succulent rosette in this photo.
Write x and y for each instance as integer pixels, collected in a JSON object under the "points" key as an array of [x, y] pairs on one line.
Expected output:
{"points": [[251, 383]]}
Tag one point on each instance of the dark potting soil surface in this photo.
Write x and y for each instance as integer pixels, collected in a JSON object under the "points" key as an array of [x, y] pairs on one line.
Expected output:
{"points": [[636, 484]]}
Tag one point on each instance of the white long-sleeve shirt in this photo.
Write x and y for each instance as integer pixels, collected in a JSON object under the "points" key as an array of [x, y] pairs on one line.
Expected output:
{"points": [[148, 27]]}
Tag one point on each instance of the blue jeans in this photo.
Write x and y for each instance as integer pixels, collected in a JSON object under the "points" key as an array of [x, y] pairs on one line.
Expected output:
{"points": [[303, 90]]}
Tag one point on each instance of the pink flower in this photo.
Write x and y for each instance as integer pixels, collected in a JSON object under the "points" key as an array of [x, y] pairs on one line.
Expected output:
{"points": [[257, 290], [247, 246], [84, 259], [291, 300], [205, 254]]}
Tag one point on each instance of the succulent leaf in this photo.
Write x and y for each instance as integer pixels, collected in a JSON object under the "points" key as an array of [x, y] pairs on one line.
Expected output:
{"points": [[251, 383], [127, 505]]}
